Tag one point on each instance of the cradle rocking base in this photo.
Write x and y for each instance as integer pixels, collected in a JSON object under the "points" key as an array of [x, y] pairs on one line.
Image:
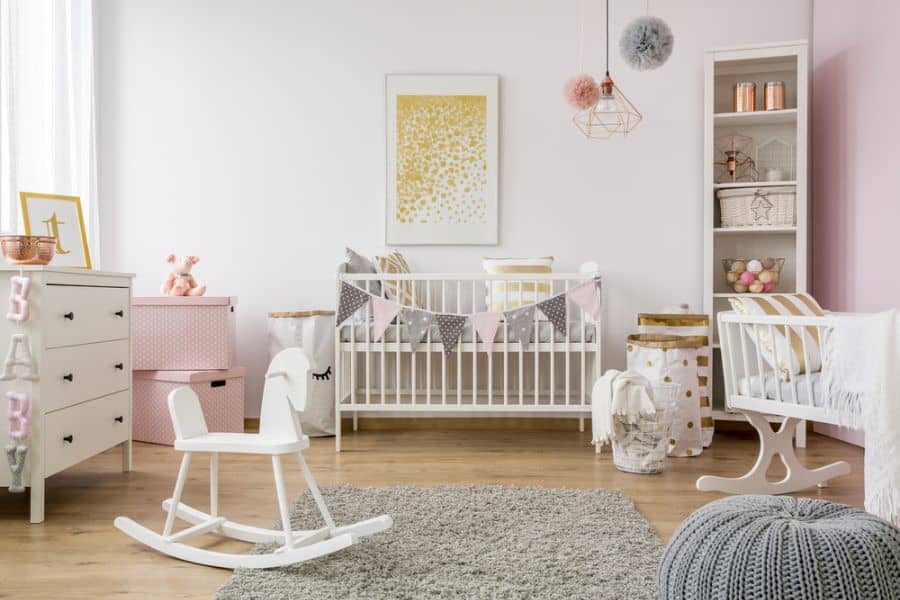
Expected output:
{"points": [[774, 443], [305, 545]]}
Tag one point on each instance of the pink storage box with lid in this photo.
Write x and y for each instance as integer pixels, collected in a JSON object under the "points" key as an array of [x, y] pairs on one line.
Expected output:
{"points": [[221, 396], [183, 333]]}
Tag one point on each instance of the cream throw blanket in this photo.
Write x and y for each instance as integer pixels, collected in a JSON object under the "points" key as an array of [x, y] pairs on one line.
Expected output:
{"points": [[862, 387], [619, 394]]}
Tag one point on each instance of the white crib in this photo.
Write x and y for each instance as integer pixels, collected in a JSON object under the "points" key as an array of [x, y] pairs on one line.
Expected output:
{"points": [[551, 376], [756, 389]]}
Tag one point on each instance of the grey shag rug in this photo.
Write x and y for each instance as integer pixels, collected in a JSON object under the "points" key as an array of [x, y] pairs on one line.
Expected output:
{"points": [[491, 542]]}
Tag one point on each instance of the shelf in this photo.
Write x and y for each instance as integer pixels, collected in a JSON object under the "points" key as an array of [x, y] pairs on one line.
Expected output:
{"points": [[736, 295], [752, 230], [759, 117], [752, 184]]}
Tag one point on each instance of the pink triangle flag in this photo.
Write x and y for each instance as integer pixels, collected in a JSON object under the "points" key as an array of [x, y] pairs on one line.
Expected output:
{"points": [[383, 312], [587, 296], [486, 324]]}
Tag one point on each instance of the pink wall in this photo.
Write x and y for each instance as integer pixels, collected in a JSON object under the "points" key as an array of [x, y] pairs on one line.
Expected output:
{"points": [[856, 154]]}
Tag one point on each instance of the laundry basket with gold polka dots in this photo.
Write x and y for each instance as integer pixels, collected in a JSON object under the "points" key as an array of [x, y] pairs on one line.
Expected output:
{"points": [[642, 447], [665, 358]]}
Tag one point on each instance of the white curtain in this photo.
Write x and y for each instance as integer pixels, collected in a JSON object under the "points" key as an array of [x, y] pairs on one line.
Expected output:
{"points": [[47, 124]]}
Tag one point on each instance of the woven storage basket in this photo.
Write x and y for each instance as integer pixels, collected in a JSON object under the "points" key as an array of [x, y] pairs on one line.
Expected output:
{"points": [[758, 207], [642, 447]]}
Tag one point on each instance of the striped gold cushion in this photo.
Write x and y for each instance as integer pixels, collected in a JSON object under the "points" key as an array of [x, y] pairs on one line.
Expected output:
{"points": [[397, 290], [788, 342], [510, 294]]}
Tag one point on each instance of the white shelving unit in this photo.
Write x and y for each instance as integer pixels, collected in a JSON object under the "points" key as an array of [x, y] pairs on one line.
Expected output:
{"points": [[723, 68]]}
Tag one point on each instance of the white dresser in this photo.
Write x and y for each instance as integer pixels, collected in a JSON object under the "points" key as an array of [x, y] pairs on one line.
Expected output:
{"points": [[79, 394]]}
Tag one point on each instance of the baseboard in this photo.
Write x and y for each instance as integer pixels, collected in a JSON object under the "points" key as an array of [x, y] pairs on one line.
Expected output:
{"points": [[251, 424]]}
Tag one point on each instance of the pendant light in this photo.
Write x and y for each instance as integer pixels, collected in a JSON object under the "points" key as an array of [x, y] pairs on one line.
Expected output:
{"points": [[613, 113]]}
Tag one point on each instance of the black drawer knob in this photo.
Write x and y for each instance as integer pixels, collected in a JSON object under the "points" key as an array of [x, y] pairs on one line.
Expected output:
{"points": [[120, 313], [69, 377], [68, 439], [70, 316], [119, 419], [119, 366]]}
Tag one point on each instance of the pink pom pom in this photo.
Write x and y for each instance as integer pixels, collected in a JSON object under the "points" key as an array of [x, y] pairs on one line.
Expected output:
{"points": [[747, 277], [768, 287], [581, 91]]}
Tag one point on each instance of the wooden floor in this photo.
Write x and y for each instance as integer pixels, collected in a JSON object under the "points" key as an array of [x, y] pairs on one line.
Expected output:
{"points": [[77, 553]]}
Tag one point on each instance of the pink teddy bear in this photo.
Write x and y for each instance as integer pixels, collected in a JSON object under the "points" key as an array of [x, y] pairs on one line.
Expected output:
{"points": [[180, 281]]}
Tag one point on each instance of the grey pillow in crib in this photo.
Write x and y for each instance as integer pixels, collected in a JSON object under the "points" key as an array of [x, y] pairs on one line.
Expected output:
{"points": [[359, 264]]}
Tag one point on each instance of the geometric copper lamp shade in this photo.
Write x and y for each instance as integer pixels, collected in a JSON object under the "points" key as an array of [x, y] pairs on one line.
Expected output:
{"points": [[613, 114]]}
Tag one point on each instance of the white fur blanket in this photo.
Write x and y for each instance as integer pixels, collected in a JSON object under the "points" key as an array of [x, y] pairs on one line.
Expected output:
{"points": [[862, 386]]}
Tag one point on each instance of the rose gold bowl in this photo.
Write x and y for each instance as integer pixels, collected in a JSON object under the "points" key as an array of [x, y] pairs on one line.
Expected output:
{"points": [[27, 249]]}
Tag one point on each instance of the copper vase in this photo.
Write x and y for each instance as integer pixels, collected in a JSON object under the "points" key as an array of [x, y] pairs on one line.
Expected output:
{"points": [[744, 97]]}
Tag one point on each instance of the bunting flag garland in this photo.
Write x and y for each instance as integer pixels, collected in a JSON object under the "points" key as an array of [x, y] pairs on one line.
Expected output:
{"points": [[486, 324], [555, 310], [352, 299], [587, 296], [521, 322], [418, 322], [383, 313], [450, 327]]}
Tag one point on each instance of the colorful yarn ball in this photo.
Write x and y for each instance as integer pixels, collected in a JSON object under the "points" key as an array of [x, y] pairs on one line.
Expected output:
{"points": [[581, 91], [754, 266], [768, 287], [747, 278]]}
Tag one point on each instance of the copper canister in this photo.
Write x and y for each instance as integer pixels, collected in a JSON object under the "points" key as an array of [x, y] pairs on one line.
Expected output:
{"points": [[744, 99], [773, 97]]}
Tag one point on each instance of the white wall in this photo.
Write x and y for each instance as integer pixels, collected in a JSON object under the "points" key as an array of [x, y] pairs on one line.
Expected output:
{"points": [[252, 134]]}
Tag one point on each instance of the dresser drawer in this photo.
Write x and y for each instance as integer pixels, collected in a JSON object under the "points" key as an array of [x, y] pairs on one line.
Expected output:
{"points": [[75, 314], [81, 431], [74, 374]]}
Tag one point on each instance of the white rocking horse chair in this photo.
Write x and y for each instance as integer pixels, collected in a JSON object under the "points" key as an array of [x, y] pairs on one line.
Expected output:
{"points": [[279, 433]]}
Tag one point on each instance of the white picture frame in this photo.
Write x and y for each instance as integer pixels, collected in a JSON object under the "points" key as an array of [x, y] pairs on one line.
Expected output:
{"points": [[425, 206], [61, 217]]}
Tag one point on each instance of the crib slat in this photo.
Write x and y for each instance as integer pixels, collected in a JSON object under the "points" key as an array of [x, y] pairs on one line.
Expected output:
{"points": [[474, 350], [537, 335], [429, 347], [583, 379], [745, 359], [521, 356], [776, 362], [443, 343], [569, 341], [759, 361], [398, 379], [353, 355], [505, 344], [459, 346], [367, 352], [806, 361], [412, 355]]}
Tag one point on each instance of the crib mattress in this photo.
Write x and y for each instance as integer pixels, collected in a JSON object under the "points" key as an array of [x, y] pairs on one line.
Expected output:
{"points": [[544, 332], [751, 387]]}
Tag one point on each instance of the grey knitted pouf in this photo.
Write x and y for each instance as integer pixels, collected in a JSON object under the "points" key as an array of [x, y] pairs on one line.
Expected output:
{"points": [[777, 547]]}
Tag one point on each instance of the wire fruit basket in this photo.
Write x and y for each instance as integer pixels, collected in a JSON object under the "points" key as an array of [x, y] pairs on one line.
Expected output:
{"points": [[642, 447]]}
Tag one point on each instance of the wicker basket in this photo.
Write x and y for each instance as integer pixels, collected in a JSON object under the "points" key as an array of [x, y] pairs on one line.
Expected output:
{"points": [[758, 207], [642, 447]]}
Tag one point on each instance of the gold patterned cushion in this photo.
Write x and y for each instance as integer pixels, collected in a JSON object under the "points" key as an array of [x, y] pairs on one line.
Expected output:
{"points": [[788, 342], [510, 294], [398, 290]]}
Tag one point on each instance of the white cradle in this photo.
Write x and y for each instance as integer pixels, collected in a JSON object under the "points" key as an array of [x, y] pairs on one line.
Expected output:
{"points": [[756, 389], [552, 375]]}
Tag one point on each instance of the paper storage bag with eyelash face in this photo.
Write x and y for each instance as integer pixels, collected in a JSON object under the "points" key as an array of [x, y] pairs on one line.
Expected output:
{"points": [[312, 330], [672, 359], [689, 325]]}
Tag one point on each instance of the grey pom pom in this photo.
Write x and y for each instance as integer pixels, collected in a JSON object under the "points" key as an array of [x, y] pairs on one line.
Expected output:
{"points": [[646, 43]]}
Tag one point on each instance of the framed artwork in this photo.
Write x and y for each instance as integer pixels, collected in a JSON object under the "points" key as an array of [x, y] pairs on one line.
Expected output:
{"points": [[59, 216], [442, 159]]}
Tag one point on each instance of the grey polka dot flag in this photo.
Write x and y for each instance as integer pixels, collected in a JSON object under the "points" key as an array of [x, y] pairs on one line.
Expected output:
{"points": [[521, 322], [417, 324], [450, 328], [555, 309], [352, 298]]}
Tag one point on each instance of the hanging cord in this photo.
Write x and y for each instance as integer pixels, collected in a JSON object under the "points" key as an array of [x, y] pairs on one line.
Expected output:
{"points": [[607, 38], [581, 36]]}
